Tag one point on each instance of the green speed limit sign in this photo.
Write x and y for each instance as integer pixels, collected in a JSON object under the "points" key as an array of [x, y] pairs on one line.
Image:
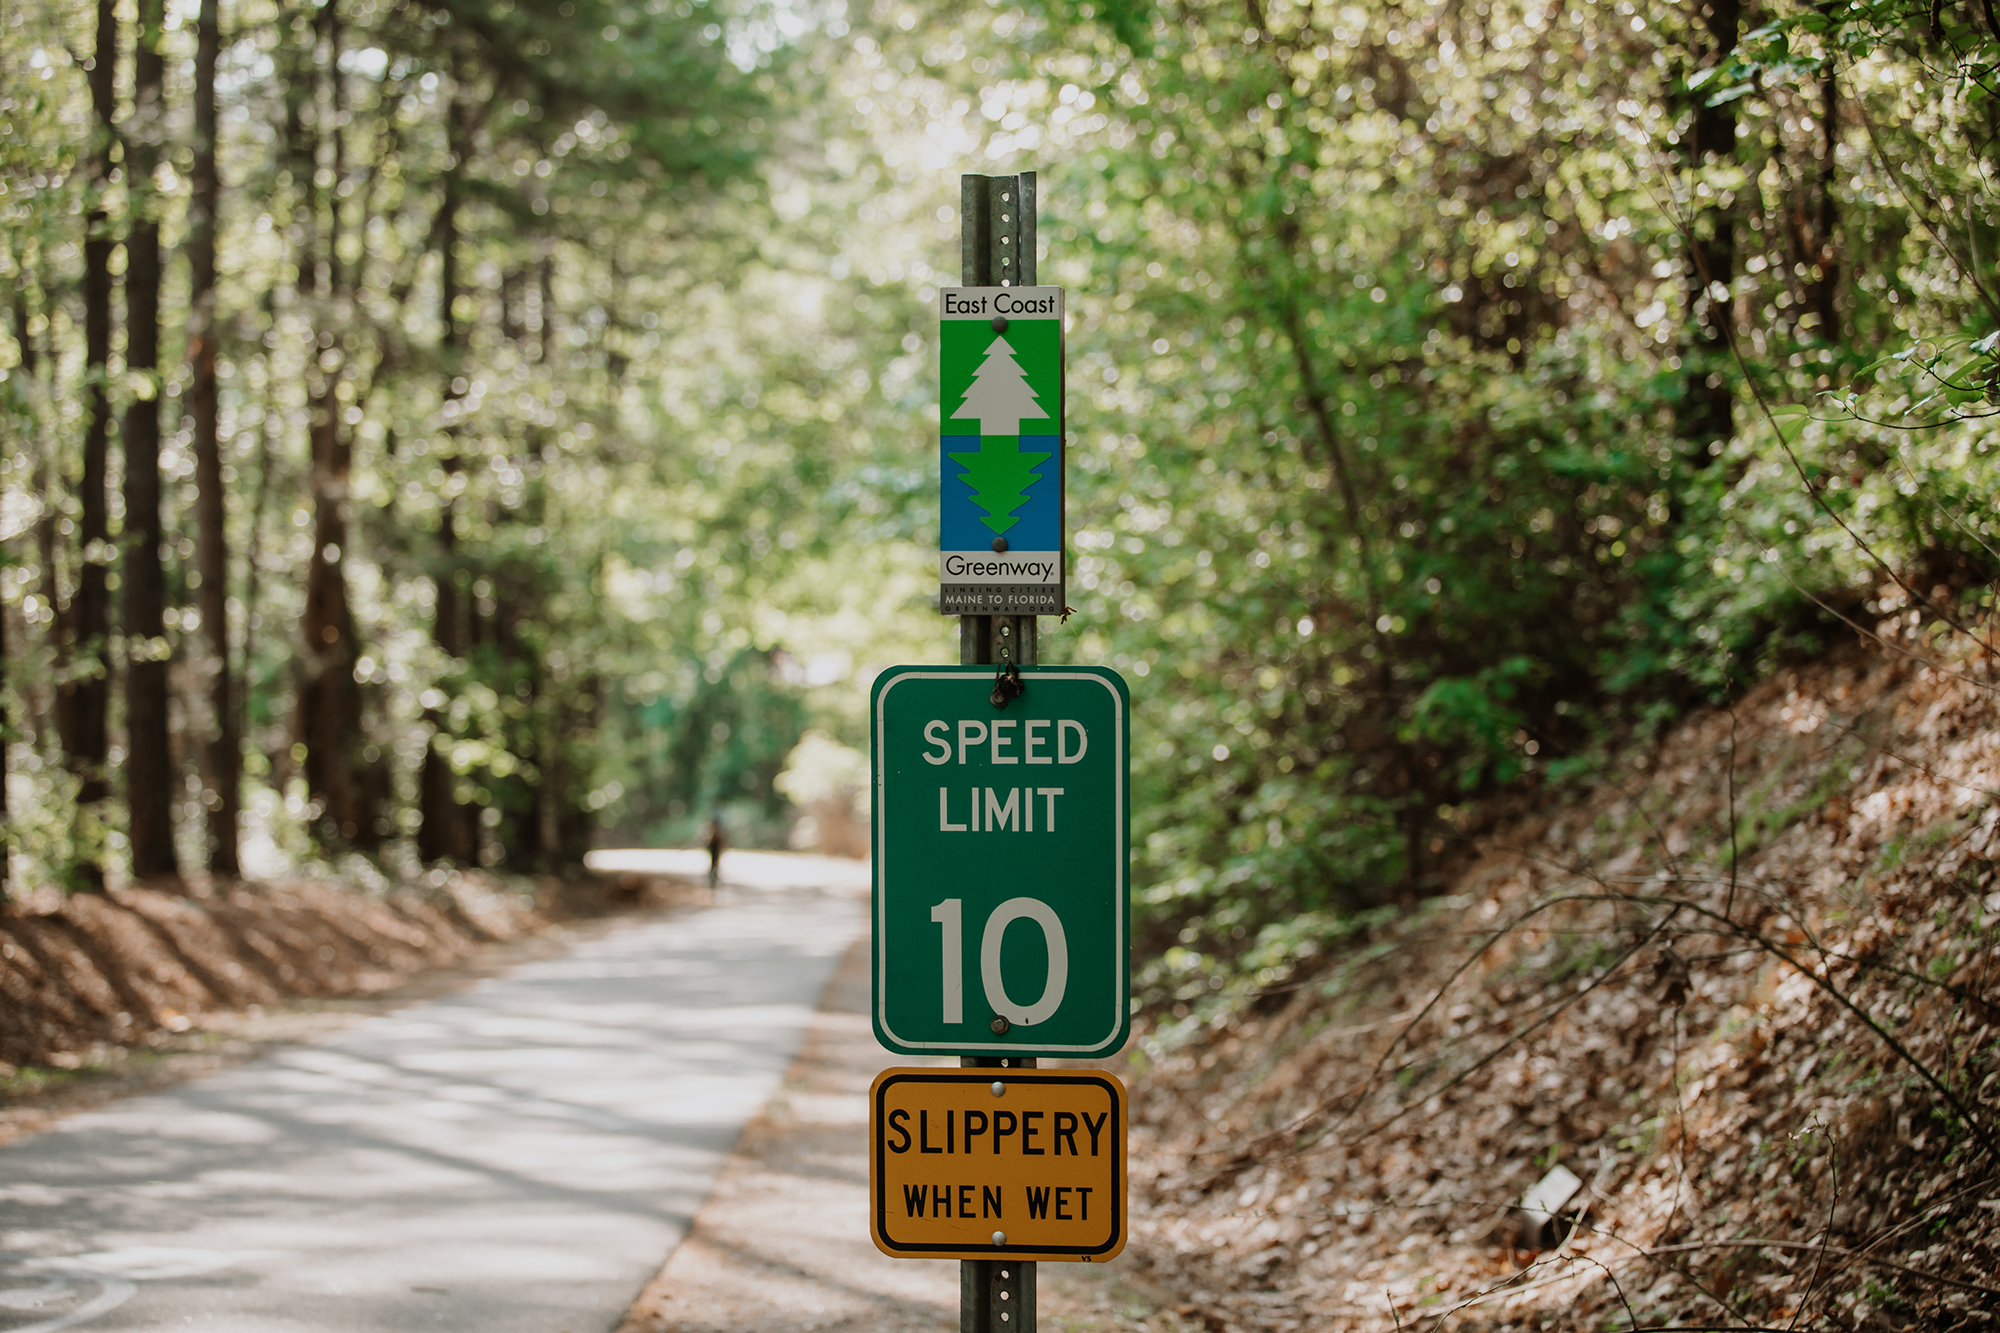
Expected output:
{"points": [[1001, 879]]}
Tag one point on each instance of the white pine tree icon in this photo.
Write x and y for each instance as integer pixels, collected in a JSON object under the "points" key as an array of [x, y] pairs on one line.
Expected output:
{"points": [[999, 394]]}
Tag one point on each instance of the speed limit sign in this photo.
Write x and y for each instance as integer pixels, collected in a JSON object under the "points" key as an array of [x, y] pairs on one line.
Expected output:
{"points": [[1002, 919]]}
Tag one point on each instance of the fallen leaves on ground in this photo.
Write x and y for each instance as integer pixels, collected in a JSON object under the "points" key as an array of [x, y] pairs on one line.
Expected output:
{"points": [[1740, 988]]}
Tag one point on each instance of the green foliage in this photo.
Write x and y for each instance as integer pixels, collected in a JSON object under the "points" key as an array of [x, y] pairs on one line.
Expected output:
{"points": [[1394, 478], [726, 746], [634, 457], [1471, 715]]}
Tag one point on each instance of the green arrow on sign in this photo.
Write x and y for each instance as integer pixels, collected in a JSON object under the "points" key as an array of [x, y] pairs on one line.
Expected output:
{"points": [[1000, 473], [1001, 878]]}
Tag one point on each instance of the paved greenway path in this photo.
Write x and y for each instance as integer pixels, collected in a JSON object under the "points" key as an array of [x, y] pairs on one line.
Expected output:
{"points": [[517, 1156]]}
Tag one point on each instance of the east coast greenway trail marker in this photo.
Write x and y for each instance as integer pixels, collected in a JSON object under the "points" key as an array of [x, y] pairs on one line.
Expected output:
{"points": [[1000, 538]]}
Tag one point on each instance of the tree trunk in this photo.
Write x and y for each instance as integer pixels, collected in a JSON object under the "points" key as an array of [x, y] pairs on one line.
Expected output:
{"points": [[1827, 284], [84, 696], [329, 703], [448, 830], [149, 768], [1707, 417], [573, 822], [545, 314], [39, 707], [25, 349], [6, 728], [222, 749], [253, 565], [444, 833]]}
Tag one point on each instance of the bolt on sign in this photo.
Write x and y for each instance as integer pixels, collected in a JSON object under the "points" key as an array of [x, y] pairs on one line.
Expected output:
{"points": [[1001, 476], [1001, 906], [1025, 1164]]}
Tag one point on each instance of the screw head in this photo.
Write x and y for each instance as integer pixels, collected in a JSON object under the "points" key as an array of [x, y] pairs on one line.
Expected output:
{"points": [[999, 544], [999, 1088], [999, 1238], [999, 323], [1000, 1025]]}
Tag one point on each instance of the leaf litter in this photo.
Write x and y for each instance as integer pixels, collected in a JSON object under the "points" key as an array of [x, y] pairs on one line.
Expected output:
{"points": [[1742, 988], [106, 994]]}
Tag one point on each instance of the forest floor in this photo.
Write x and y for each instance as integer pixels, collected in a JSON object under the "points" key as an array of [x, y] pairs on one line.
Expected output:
{"points": [[1733, 1001], [108, 995]]}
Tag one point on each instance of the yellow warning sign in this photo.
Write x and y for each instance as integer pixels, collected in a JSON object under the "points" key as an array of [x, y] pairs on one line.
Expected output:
{"points": [[990, 1163]]}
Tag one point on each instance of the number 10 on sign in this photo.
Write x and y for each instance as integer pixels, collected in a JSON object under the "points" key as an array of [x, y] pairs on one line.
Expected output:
{"points": [[1000, 904]]}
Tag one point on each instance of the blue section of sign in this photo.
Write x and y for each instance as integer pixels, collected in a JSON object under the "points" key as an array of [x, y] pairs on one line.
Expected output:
{"points": [[1038, 525]]}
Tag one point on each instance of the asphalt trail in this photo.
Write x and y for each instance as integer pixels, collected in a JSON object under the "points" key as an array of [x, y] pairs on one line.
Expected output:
{"points": [[517, 1156]]}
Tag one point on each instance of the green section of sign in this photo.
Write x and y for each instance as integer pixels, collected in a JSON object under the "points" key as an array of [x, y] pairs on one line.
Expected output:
{"points": [[1000, 472], [1002, 383], [1001, 862]]}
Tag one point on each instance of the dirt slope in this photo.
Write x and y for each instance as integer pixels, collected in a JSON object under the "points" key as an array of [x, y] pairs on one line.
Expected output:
{"points": [[1777, 1086], [88, 979]]}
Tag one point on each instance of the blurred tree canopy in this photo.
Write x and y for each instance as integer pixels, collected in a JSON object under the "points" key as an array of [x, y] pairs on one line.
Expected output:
{"points": [[542, 409], [1455, 388]]}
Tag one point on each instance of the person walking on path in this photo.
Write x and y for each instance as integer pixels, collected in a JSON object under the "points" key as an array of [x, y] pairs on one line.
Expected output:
{"points": [[716, 840]]}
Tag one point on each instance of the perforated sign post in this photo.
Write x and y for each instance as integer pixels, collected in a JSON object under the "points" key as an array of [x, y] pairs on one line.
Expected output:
{"points": [[1002, 921], [1001, 471], [1000, 830]]}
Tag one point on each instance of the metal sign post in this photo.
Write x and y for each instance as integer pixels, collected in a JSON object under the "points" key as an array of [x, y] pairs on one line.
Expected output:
{"points": [[996, 248], [1001, 825]]}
